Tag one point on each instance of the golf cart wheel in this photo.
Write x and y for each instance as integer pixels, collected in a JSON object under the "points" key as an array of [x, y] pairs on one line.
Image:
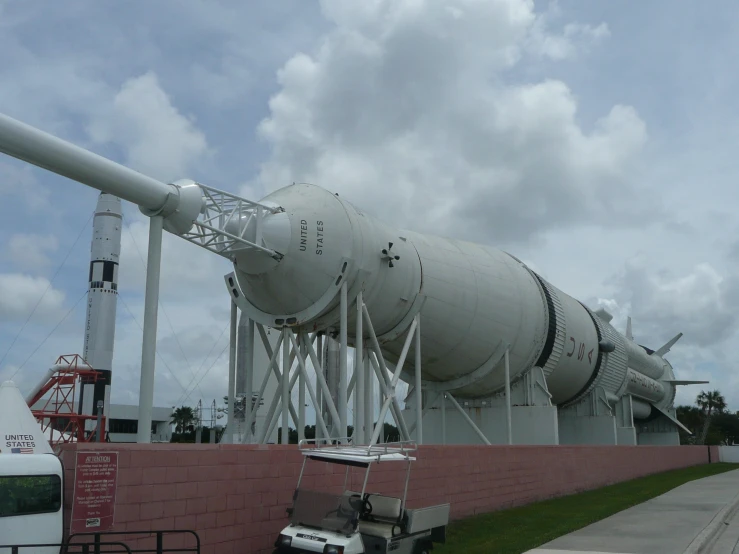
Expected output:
{"points": [[423, 548]]}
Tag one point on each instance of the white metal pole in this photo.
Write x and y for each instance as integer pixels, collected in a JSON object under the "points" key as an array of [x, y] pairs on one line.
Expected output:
{"points": [[54, 154], [469, 420], [508, 398], [149, 343], [359, 434], [328, 401], [301, 390], [285, 386], [232, 375], [249, 377], [418, 392], [302, 368], [342, 363], [369, 406], [319, 392], [443, 418]]}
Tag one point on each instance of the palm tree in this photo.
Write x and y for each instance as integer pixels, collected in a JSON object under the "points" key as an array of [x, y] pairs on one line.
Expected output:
{"points": [[182, 418], [709, 402]]}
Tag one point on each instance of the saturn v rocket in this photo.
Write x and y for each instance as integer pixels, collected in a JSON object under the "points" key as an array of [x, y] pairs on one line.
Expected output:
{"points": [[102, 298], [306, 245]]}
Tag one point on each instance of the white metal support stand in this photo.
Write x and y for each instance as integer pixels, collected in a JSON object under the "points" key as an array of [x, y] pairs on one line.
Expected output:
{"points": [[148, 347], [228, 438], [418, 391], [319, 394], [443, 418], [359, 421], [257, 401], [390, 390], [468, 420], [302, 382], [369, 404], [249, 407], [285, 387], [343, 362], [508, 398], [329, 393]]}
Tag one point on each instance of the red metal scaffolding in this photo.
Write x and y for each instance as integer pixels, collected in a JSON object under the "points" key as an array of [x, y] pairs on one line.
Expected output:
{"points": [[58, 417]]}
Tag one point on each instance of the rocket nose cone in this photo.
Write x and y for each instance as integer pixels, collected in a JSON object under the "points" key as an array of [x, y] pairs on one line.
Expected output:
{"points": [[268, 230]]}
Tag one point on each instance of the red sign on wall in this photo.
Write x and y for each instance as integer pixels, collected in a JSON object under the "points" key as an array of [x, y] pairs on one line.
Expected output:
{"points": [[93, 504]]}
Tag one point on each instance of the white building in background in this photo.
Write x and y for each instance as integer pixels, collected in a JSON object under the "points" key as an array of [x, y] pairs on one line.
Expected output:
{"points": [[124, 423]]}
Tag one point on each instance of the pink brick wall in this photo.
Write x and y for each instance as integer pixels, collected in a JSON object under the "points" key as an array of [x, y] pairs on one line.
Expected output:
{"points": [[235, 496]]}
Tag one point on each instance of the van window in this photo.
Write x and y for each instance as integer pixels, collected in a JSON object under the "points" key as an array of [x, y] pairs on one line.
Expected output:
{"points": [[30, 494]]}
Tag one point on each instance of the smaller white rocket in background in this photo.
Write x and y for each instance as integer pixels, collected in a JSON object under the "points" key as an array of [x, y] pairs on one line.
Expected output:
{"points": [[101, 305]]}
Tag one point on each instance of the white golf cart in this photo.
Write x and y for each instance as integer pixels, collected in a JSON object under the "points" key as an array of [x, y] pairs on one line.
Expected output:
{"points": [[359, 522]]}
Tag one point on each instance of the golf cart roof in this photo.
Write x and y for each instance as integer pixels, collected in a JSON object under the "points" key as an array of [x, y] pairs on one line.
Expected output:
{"points": [[357, 454]]}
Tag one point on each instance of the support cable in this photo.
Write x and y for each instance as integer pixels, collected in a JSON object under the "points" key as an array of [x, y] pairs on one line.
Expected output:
{"points": [[164, 311], [186, 395], [161, 358], [50, 333], [33, 311]]}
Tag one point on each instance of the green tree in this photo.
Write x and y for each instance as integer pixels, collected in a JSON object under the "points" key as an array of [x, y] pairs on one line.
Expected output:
{"points": [[724, 429], [182, 418], [693, 418], [710, 403]]}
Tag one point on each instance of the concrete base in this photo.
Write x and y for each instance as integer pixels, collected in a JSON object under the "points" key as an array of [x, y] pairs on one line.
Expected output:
{"points": [[626, 436], [533, 425], [587, 430], [659, 432], [659, 439]]}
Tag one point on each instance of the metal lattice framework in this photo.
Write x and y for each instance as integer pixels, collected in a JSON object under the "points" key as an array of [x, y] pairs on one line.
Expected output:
{"points": [[220, 209], [57, 417]]}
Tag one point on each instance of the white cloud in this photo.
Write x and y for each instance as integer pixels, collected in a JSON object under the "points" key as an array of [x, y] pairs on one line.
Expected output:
{"points": [[17, 181], [404, 109], [20, 293], [702, 303], [158, 140], [481, 119], [30, 251]]}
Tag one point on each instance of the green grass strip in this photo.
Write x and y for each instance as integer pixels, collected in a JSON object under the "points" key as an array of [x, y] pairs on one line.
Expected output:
{"points": [[517, 530]]}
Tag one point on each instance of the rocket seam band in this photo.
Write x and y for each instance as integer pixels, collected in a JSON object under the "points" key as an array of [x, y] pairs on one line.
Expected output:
{"points": [[552, 330], [596, 370]]}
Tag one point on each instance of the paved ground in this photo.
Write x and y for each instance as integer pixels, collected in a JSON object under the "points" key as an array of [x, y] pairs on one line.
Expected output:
{"points": [[667, 524]]}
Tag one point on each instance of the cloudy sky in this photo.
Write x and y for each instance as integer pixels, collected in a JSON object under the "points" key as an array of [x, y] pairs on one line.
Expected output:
{"points": [[593, 140]]}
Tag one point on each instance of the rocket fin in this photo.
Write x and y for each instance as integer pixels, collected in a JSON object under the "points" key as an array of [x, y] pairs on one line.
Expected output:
{"points": [[629, 334], [673, 419], [683, 382], [665, 348]]}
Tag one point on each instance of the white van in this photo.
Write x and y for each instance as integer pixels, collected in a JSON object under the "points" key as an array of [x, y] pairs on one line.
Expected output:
{"points": [[31, 510], [31, 480]]}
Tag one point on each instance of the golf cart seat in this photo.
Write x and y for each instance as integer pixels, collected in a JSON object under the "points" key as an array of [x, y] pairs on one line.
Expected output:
{"points": [[384, 519]]}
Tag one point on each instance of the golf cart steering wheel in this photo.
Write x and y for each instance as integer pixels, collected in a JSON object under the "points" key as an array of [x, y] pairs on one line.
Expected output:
{"points": [[366, 507]]}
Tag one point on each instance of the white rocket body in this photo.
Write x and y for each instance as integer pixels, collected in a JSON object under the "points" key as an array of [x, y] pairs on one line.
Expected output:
{"points": [[101, 304], [473, 300]]}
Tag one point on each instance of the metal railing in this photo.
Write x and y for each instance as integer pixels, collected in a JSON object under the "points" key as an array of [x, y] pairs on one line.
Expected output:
{"points": [[84, 548], [159, 537], [405, 448], [97, 543]]}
